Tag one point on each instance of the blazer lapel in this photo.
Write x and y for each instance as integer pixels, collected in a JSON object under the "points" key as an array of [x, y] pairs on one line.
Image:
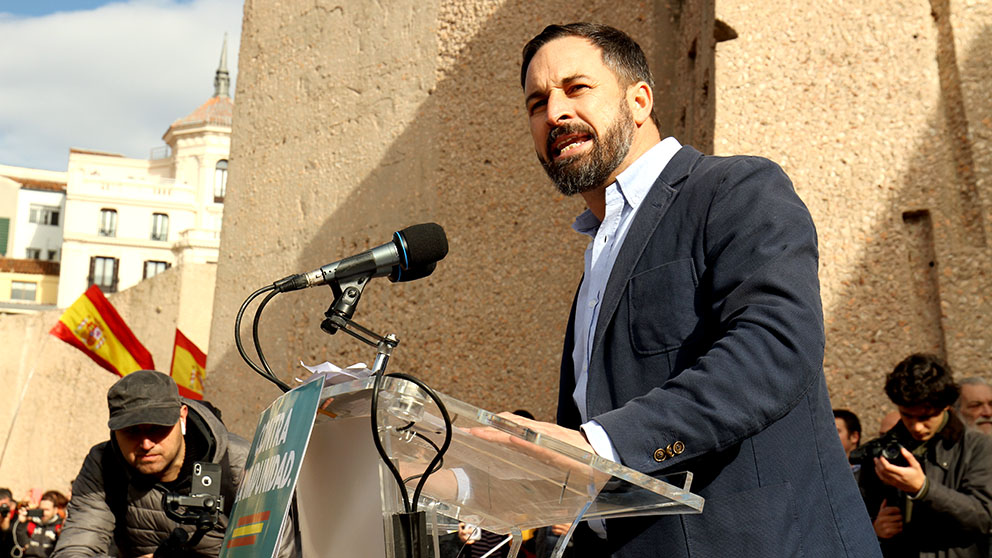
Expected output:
{"points": [[647, 219]]}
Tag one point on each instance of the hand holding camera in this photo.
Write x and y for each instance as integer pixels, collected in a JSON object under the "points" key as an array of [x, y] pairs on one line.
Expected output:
{"points": [[908, 478]]}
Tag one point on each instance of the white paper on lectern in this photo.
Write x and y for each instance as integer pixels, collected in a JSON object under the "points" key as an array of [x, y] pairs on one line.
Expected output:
{"points": [[338, 375]]}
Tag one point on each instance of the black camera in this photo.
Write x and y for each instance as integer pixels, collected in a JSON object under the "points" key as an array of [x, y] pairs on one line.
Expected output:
{"points": [[888, 446], [4, 510], [36, 513]]}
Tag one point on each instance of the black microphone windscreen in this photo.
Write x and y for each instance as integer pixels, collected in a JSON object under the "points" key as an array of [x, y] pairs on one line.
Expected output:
{"points": [[423, 244]]}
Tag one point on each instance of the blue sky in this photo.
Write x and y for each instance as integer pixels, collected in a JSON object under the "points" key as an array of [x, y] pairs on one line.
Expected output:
{"points": [[45, 7], [109, 76]]}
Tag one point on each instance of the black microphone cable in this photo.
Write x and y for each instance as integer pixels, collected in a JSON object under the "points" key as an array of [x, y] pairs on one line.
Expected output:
{"points": [[435, 464], [267, 374]]}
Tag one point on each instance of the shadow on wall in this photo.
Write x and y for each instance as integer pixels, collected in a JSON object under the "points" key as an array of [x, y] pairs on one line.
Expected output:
{"points": [[928, 260], [487, 326]]}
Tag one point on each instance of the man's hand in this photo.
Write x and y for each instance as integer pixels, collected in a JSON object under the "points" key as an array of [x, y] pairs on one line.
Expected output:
{"points": [[888, 523], [908, 479], [567, 435], [465, 532], [560, 529]]}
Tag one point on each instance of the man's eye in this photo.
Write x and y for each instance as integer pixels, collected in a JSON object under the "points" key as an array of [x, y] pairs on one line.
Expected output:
{"points": [[578, 87], [537, 106]]}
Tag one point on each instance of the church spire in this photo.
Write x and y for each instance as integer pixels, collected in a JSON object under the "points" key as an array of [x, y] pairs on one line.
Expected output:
{"points": [[222, 81]]}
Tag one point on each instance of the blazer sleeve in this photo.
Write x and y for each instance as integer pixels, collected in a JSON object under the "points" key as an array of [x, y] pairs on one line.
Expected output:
{"points": [[761, 303]]}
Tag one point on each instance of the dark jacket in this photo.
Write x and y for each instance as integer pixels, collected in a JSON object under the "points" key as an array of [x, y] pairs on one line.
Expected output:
{"points": [[36, 539], [707, 357], [91, 520], [953, 518]]}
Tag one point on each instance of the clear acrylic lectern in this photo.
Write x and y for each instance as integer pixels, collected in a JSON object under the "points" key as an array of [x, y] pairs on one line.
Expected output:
{"points": [[496, 474]]}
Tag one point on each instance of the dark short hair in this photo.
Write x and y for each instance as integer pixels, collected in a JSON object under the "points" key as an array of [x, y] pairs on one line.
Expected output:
{"points": [[6, 493], [56, 498], [621, 53], [851, 421], [921, 379]]}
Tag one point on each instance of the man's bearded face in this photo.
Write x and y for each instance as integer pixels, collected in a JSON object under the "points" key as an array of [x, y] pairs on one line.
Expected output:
{"points": [[578, 173]]}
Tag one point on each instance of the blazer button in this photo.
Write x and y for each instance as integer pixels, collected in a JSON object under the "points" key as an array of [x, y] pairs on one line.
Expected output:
{"points": [[660, 455], [678, 447]]}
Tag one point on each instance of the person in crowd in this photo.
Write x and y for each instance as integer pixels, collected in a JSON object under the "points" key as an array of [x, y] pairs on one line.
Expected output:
{"points": [[974, 404], [156, 437], [848, 429], [696, 337], [8, 512], [37, 533], [932, 495]]}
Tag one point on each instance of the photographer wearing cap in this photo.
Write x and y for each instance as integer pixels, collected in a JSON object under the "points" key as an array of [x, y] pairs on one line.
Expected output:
{"points": [[156, 437], [933, 495]]}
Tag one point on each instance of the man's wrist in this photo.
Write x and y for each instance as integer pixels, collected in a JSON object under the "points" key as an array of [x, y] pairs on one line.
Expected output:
{"points": [[922, 491]]}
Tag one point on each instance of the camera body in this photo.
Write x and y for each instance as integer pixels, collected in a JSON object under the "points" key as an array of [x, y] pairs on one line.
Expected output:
{"points": [[204, 503], [888, 446], [35, 513], [4, 510], [203, 508]]}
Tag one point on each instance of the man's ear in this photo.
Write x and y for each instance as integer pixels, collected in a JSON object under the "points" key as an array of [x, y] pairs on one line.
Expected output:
{"points": [[640, 98]]}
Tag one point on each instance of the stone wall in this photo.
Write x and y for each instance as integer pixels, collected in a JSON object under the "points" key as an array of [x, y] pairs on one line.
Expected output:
{"points": [[878, 112], [342, 135]]}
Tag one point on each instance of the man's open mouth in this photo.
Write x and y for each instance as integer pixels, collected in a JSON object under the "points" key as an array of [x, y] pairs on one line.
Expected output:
{"points": [[566, 143]]}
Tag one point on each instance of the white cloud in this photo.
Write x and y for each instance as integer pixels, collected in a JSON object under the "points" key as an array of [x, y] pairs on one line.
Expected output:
{"points": [[112, 79]]}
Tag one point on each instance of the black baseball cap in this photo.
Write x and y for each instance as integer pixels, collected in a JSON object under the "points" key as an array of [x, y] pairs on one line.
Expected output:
{"points": [[143, 397]]}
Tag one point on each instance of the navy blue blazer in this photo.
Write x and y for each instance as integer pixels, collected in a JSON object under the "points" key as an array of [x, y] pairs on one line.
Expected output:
{"points": [[708, 357]]}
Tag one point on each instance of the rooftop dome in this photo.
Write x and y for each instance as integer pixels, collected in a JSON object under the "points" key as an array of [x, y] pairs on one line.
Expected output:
{"points": [[219, 109]]}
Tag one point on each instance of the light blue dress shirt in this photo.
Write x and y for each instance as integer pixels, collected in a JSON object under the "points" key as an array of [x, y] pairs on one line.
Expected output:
{"points": [[623, 197]]}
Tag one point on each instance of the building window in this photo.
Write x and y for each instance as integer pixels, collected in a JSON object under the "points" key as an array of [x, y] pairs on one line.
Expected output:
{"points": [[153, 268], [23, 290], [108, 222], [103, 273], [160, 226], [44, 215], [52, 254], [32, 253], [4, 234], [220, 181]]}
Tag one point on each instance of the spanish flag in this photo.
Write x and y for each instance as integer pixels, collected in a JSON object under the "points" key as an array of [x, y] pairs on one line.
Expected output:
{"points": [[189, 367], [93, 326]]}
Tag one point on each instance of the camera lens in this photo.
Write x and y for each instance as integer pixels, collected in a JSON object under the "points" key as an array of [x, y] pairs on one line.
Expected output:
{"points": [[893, 454]]}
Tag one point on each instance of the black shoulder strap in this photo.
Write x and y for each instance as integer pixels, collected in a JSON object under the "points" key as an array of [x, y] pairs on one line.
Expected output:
{"points": [[114, 491]]}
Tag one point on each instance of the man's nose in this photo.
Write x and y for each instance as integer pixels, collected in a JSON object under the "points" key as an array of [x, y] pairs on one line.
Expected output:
{"points": [[559, 108], [147, 444], [986, 409]]}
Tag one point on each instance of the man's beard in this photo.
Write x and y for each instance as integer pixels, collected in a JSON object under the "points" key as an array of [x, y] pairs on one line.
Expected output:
{"points": [[582, 173]]}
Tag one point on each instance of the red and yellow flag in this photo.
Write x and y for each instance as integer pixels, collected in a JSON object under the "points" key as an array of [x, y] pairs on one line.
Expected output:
{"points": [[93, 326], [189, 367]]}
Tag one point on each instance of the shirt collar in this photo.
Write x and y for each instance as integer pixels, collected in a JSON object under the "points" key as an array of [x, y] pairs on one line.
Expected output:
{"points": [[635, 182]]}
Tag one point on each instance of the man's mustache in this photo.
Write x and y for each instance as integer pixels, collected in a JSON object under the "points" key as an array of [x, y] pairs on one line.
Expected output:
{"points": [[983, 421]]}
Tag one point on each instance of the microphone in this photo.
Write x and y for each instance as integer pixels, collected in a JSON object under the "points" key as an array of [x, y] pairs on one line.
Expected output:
{"points": [[412, 254]]}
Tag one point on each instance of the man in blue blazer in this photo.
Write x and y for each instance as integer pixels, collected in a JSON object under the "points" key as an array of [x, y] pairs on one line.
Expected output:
{"points": [[696, 338]]}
